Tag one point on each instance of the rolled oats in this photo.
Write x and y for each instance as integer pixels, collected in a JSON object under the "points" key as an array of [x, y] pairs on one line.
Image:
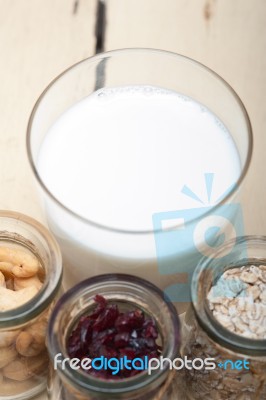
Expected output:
{"points": [[245, 288], [248, 277], [238, 302]]}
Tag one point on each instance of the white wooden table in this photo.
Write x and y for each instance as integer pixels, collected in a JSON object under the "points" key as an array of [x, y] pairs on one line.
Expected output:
{"points": [[40, 38]]}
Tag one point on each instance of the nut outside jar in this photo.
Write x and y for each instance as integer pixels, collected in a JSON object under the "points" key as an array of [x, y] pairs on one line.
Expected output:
{"points": [[227, 322], [30, 278], [126, 293]]}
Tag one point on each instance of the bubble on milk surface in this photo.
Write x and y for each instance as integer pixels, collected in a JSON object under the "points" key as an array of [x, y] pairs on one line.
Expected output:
{"points": [[146, 90]]}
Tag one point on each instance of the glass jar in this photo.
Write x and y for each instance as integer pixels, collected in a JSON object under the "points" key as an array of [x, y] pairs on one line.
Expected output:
{"points": [[128, 293], [240, 362], [23, 354]]}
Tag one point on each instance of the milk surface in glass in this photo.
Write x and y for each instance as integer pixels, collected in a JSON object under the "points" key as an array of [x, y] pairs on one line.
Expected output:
{"points": [[117, 157]]}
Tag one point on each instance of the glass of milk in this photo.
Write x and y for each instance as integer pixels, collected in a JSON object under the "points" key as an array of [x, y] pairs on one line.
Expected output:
{"points": [[121, 138]]}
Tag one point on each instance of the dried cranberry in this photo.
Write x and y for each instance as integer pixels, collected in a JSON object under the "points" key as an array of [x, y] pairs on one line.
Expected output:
{"points": [[111, 333], [149, 329], [130, 320], [100, 306], [106, 318]]}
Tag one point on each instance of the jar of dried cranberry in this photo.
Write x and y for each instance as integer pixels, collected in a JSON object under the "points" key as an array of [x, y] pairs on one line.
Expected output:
{"points": [[99, 332]]}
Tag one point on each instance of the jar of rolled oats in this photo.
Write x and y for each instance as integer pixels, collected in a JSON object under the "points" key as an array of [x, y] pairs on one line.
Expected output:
{"points": [[227, 323]]}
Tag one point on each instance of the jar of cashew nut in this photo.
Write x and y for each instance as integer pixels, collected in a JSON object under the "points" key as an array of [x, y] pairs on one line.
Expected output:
{"points": [[227, 323], [30, 279]]}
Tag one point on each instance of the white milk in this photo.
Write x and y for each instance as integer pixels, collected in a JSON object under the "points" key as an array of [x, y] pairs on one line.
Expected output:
{"points": [[119, 156]]}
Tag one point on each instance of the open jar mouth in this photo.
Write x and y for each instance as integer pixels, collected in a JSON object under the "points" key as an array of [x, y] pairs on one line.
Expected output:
{"points": [[246, 251], [120, 289], [122, 54], [24, 231]]}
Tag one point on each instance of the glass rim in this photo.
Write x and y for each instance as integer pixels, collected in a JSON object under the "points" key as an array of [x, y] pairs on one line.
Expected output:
{"points": [[106, 55], [35, 306], [86, 381], [205, 317]]}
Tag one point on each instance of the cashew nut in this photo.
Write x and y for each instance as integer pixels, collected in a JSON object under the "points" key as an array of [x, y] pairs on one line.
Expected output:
{"points": [[12, 299], [6, 268], [22, 283], [25, 368], [7, 354], [25, 271], [24, 265], [31, 341], [7, 338], [27, 346]]}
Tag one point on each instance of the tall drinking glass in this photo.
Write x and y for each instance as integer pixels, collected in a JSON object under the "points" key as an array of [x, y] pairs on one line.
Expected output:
{"points": [[156, 128]]}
